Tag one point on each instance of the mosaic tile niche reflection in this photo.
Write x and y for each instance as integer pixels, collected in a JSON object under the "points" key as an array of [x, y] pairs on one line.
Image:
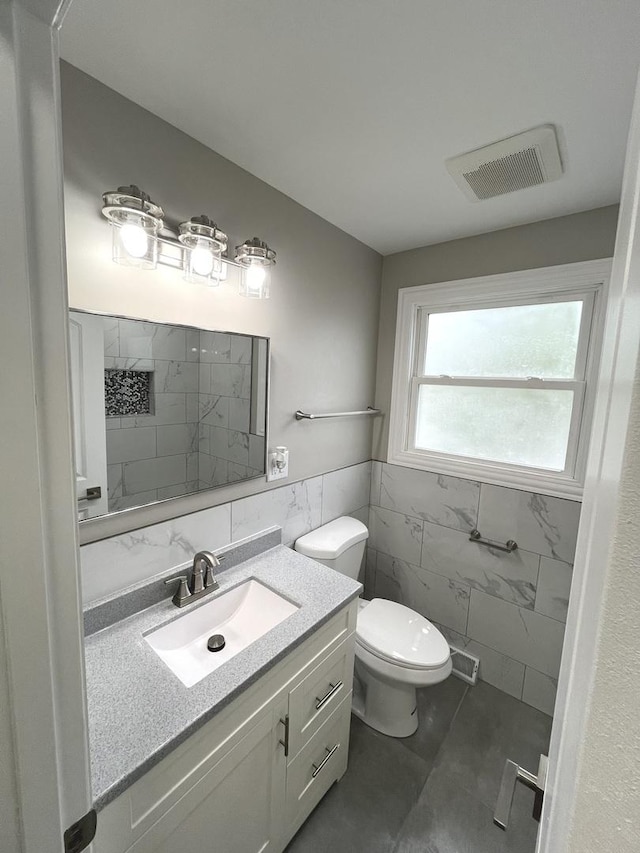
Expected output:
{"points": [[127, 392]]}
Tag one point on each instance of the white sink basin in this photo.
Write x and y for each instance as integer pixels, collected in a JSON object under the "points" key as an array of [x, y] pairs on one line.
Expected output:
{"points": [[242, 615]]}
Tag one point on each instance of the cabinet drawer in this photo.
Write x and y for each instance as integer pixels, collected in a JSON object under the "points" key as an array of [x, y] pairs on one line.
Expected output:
{"points": [[318, 765], [318, 695]]}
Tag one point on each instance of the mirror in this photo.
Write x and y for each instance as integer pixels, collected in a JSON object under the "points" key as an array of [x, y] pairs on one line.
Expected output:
{"points": [[162, 411]]}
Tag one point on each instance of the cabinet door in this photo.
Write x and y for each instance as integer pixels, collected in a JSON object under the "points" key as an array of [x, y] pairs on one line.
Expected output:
{"points": [[236, 808]]}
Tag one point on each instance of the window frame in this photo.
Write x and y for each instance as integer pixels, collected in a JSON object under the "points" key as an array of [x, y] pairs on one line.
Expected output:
{"points": [[587, 281]]}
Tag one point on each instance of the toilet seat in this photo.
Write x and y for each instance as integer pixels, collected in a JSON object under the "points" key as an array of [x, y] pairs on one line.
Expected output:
{"points": [[399, 636]]}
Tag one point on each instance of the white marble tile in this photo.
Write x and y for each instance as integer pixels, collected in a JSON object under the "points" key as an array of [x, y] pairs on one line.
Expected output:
{"points": [[345, 490], [130, 501], [450, 501], [204, 378], [193, 345], [121, 561], [169, 409], [296, 508], [239, 413], [113, 423], [175, 377], [512, 577], [126, 445], [554, 588], [361, 514], [192, 407], [215, 347], [192, 465], [524, 635], [176, 438], [154, 473], [231, 380], [540, 691], [152, 340], [396, 534], [213, 471], [376, 480], [538, 523], [431, 595], [371, 558], [214, 410], [111, 336], [177, 490], [114, 480], [240, 349], [238, 447], [204, 438], [118, 363], [501, 671], [237, 472]]}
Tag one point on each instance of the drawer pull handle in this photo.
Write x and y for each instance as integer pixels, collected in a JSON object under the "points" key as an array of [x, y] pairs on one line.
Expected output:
{"points": [[318, 768], [285, 742], [333, 688]]}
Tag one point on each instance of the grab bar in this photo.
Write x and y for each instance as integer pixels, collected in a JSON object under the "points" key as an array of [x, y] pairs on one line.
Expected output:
{"points": [[306, 416], [509, 545]]}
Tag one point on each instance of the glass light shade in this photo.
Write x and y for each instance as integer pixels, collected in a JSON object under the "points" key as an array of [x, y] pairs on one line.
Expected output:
{"points": [[135, 221], [255, 279], [202, 264]]}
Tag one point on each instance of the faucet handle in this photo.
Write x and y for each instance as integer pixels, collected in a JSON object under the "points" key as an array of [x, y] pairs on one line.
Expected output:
{"points": [[183, 592], [209, 581]]}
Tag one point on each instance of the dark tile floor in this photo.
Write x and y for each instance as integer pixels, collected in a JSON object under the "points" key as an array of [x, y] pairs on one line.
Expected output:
{"points": [[434, 792]]}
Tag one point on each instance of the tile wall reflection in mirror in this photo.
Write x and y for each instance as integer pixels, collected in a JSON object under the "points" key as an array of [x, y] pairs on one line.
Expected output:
{"points": [[162, 411]]}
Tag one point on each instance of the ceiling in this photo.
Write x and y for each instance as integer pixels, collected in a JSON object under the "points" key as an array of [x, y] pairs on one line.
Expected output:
{"points": [[351, 107]]}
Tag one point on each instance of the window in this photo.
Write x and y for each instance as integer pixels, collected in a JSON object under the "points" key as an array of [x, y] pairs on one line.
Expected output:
{"points": [[494, 377]]}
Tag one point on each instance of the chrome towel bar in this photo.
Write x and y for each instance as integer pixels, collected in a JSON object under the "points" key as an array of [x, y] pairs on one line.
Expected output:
{"points": [[509, 545], [306, 416]]}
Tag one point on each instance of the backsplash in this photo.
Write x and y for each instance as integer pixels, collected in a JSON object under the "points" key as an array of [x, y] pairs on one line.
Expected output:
{"points": [[508, 609], [121, 561]]}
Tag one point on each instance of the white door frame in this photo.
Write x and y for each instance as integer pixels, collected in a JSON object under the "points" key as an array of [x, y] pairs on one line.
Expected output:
{"points": [[39, 583], [598, 517], [39, 592]]}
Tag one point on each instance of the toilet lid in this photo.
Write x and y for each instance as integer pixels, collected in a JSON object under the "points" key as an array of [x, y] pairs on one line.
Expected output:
{"points": [[394, 632]]}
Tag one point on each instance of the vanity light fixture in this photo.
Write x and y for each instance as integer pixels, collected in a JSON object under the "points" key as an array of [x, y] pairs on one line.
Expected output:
{"points": [[255, 258], [199, 247], [204, 245], [135, 222]]}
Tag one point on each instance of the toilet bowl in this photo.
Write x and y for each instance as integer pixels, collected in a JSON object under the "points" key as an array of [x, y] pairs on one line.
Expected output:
{"points": [[397, 649]]}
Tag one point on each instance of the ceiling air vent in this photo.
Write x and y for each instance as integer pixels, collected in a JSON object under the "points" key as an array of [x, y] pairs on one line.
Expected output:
{"points": [[521, 161]]}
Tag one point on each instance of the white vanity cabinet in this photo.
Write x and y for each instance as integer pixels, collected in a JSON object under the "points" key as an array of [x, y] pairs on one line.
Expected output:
{"points": [[247, 779]]}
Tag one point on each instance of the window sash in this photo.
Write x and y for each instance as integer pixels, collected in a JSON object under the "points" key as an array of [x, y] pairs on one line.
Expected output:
{"points": [[578, 387], [586, 322]]}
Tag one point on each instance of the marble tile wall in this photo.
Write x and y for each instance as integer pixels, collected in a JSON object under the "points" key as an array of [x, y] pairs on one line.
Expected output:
{"points": [[198, 433], [121, 561], [508, 609], [227, 450], [155, 456]]}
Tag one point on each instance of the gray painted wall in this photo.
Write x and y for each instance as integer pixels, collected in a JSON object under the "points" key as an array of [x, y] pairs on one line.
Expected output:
{"points": [[322, 317], [9, 825], [567, 239]]}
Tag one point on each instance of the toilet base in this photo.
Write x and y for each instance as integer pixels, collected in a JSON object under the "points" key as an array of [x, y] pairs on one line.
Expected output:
{"points": [[388, 707]]}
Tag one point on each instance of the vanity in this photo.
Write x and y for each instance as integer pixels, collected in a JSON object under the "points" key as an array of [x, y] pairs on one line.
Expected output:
{"points": [[236, 762]]}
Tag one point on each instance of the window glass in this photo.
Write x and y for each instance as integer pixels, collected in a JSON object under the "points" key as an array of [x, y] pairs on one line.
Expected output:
{"points": [[515, 341], [521, 426]]}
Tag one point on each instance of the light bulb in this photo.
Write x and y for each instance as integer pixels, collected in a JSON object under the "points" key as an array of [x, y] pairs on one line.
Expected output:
{"points": [[202, 261], [134, 240], [255, 275]]}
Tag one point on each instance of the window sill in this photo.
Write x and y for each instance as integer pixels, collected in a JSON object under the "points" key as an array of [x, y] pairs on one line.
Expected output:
{"points": [[492, 473]]}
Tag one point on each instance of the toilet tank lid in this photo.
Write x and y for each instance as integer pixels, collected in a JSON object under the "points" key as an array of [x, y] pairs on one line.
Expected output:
{"points": [[332, 539]]}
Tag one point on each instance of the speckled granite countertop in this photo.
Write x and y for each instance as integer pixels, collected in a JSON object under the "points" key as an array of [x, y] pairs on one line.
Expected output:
{"points": [[139, 710]]}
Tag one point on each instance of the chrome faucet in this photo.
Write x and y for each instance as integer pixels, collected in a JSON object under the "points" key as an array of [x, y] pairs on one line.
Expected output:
{"points": [[202, 579]]}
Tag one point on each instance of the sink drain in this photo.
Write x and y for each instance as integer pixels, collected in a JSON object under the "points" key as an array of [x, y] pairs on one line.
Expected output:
{"points": [[216, 643]]}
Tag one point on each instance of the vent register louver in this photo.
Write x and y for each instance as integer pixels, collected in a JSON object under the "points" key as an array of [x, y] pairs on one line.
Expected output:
{"points": [[525, 160]]}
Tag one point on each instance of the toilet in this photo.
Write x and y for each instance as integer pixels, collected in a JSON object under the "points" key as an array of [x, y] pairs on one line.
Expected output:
{"points": [[397, 649]]}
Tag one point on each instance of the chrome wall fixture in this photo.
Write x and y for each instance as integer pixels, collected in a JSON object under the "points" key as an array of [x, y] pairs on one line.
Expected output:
{"points": [[142, 239]]}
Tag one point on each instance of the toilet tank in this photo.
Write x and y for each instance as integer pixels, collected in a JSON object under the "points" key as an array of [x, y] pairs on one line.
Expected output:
{"points": [[339, 544]]}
